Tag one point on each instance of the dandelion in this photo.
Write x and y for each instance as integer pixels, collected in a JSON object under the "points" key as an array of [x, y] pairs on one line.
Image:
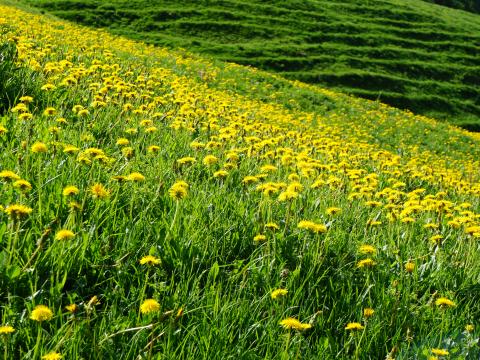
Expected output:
{"points": [[93, 301], [292, 323], [186, 160], [135, 176], [313, 227], [153, 148], [98, 191], [48, 87], [49, 111], [26, 99], [8, 175], [409, 267], [64, 235], [178, 190], [259, 238], [278, 293], [16, 211], [123, 142], [39, 147], [52, 356], [444, 302], [73, 308], [469, 328], [247, 180], [366, 263], [354, 326], [70, 149], [6, 329], [209, 160], [22, 185], [25, 116], [440, 352], [149, 306], [41, 313], [3, 130], [220, 174], [287, 195], [150, 260], [70, 190], [272, 226], [367, 249], [436, 239], [333, 211], [368, 312]]}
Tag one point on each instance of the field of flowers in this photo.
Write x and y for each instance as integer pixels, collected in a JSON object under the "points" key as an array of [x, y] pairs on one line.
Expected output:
{"points": [[157, 205]]}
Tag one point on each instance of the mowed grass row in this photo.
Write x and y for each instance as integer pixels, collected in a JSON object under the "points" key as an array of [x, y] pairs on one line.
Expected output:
{"points": [[160, 206], [409, 54]]}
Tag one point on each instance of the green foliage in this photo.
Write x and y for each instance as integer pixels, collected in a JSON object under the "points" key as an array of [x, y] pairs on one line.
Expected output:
{"points": [[15, 80], [404, 53]]}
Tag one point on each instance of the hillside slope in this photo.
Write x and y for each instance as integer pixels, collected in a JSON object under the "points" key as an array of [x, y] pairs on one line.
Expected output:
{"points": [[410, 54], [158, 205]]}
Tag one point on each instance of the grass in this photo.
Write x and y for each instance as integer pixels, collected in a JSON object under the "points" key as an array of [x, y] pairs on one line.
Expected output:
{"points": [[129, 116], [409, 54]]}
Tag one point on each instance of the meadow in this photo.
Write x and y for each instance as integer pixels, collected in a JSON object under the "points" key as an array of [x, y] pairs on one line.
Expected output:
{"points": [[407, 53], [156, 204]]}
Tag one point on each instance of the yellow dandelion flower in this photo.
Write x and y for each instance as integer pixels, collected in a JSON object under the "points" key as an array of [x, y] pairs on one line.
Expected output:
{"points": [[149, 306], [367, 249], [259, 238], [287, 195], [436, 239], [409, 267], [188, 160], [469, 328], [292, 323], [73, 308], [366, 263], [209, 160], [272, 226], [153, 148], [22, 185], [70, 149], [52, 356], [8, 175], [278, 293], [123, 142], [49, 111], [98, 191], [26, 99], [178, 190], [249, 179], [16, 211], [25, 116], [135, 176], [64, 235], [41, 313], [70, 190], [354, 326], [444, 302], [48, 87], [333, 211], [368, 312], [150, 260], [313, 227], [220, 174], [440, 352], [3, 130], [6, 329], [39, 147]]}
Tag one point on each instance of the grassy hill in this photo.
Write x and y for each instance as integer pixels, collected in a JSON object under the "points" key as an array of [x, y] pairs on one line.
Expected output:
{"points": [[409, 54], [467, 5], [156, 204]]}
